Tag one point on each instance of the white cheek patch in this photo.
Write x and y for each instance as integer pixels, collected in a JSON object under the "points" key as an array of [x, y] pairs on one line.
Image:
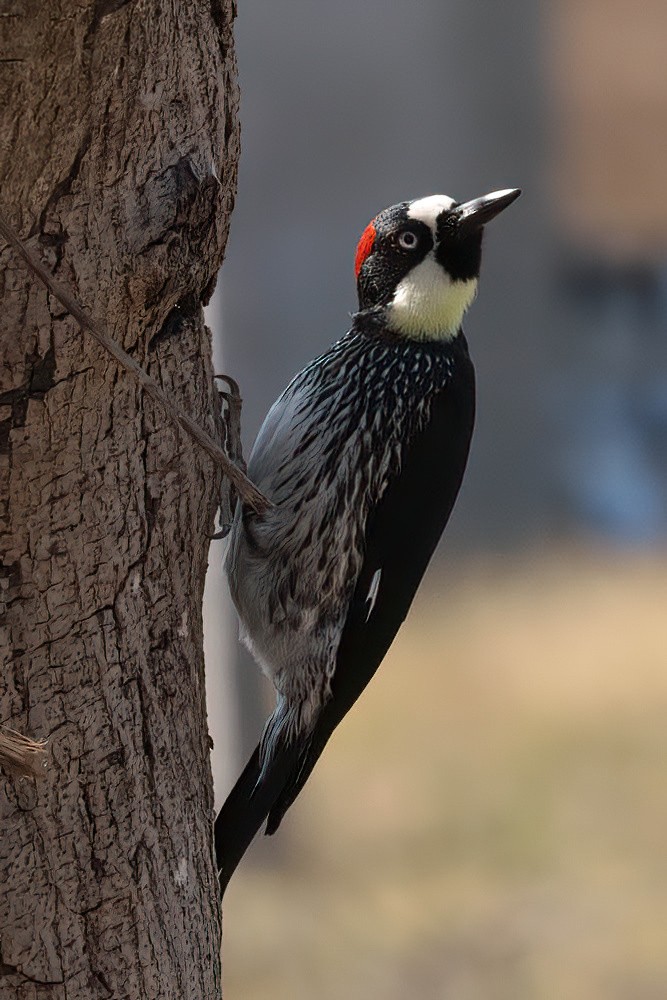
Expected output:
{"points": [[373, 592], [428, 209], [428, 305]]}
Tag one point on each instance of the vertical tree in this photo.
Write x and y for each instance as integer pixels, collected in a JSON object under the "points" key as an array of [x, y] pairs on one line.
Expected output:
{"points": [[119, 144]]}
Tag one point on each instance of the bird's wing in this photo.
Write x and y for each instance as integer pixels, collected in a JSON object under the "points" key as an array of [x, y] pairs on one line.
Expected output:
{"points": [[401, 536], [284, 426]]}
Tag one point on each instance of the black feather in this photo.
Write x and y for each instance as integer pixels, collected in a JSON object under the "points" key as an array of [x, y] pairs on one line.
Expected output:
{"points": [[248, 805], [401, 535]]}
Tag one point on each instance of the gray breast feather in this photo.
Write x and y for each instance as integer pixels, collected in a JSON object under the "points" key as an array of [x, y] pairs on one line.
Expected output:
{"points": [[324, 456]]}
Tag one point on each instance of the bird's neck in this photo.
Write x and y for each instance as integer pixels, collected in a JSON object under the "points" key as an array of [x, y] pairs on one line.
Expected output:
{"points": [[428, 305], [377, 322]]}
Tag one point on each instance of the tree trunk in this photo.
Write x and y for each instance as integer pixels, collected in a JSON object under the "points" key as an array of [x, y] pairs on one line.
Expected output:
{"points": [[119, 144]]}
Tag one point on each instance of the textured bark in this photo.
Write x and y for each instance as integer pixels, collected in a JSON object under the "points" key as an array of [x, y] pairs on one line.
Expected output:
{"points": [[119, 147]]}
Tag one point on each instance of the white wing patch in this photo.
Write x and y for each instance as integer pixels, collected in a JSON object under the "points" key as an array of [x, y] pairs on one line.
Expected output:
{"points": [[372, 595]]}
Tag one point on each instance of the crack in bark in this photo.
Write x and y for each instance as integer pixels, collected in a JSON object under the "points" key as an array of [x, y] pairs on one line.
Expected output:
{"points": [[7, 969], [102, 9], [62, 188]]}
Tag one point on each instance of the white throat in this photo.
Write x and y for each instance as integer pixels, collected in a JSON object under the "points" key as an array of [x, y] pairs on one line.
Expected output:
{"points": [[428, 304]]}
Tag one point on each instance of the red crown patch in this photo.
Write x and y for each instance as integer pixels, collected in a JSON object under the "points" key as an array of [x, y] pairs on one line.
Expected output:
{"points": [[364, 247]]}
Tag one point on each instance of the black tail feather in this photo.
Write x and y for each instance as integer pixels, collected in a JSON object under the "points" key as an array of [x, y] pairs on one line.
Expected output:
{"points": [[307, 760], [248, 804], [253, 799]]}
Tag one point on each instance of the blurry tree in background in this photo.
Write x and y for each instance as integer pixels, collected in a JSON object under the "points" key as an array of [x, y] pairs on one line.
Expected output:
{"points": [[118, 159], [610, 218]]}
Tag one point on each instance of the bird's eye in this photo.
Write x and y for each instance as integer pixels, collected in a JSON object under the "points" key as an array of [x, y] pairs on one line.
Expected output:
{"points": [[407, 239]]}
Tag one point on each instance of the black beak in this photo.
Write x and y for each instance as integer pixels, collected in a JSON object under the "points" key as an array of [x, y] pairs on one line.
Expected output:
{"points": [[476, 213]]}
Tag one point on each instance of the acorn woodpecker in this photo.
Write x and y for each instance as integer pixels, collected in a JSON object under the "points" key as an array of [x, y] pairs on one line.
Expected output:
{"points": [[362, 457]]}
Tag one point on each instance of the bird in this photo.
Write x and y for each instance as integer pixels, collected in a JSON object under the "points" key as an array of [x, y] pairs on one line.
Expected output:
{"points": [[362, 458]]}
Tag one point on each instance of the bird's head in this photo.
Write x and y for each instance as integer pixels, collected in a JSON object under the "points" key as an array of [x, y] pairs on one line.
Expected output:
{"points": [[418, 262]]}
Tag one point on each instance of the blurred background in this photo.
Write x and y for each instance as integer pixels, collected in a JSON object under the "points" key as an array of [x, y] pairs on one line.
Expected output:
{"points": [[490, 821]]}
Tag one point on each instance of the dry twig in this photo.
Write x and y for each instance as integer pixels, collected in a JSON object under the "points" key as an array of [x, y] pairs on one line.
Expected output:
{"points": [[19, 755], [245, 488]]}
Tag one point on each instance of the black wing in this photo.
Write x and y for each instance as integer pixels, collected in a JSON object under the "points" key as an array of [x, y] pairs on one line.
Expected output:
{"points": [[402, 533]]}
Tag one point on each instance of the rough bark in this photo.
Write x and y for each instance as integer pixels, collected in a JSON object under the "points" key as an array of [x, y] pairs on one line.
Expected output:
{"points": [[118, 158]]}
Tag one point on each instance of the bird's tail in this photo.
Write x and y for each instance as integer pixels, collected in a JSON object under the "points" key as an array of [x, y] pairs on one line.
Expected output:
{"points": [[266, 789], [248, 804], [309, 753]]}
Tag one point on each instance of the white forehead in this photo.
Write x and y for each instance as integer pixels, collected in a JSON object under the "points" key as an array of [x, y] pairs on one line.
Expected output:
{"points": [[428, 209]]}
